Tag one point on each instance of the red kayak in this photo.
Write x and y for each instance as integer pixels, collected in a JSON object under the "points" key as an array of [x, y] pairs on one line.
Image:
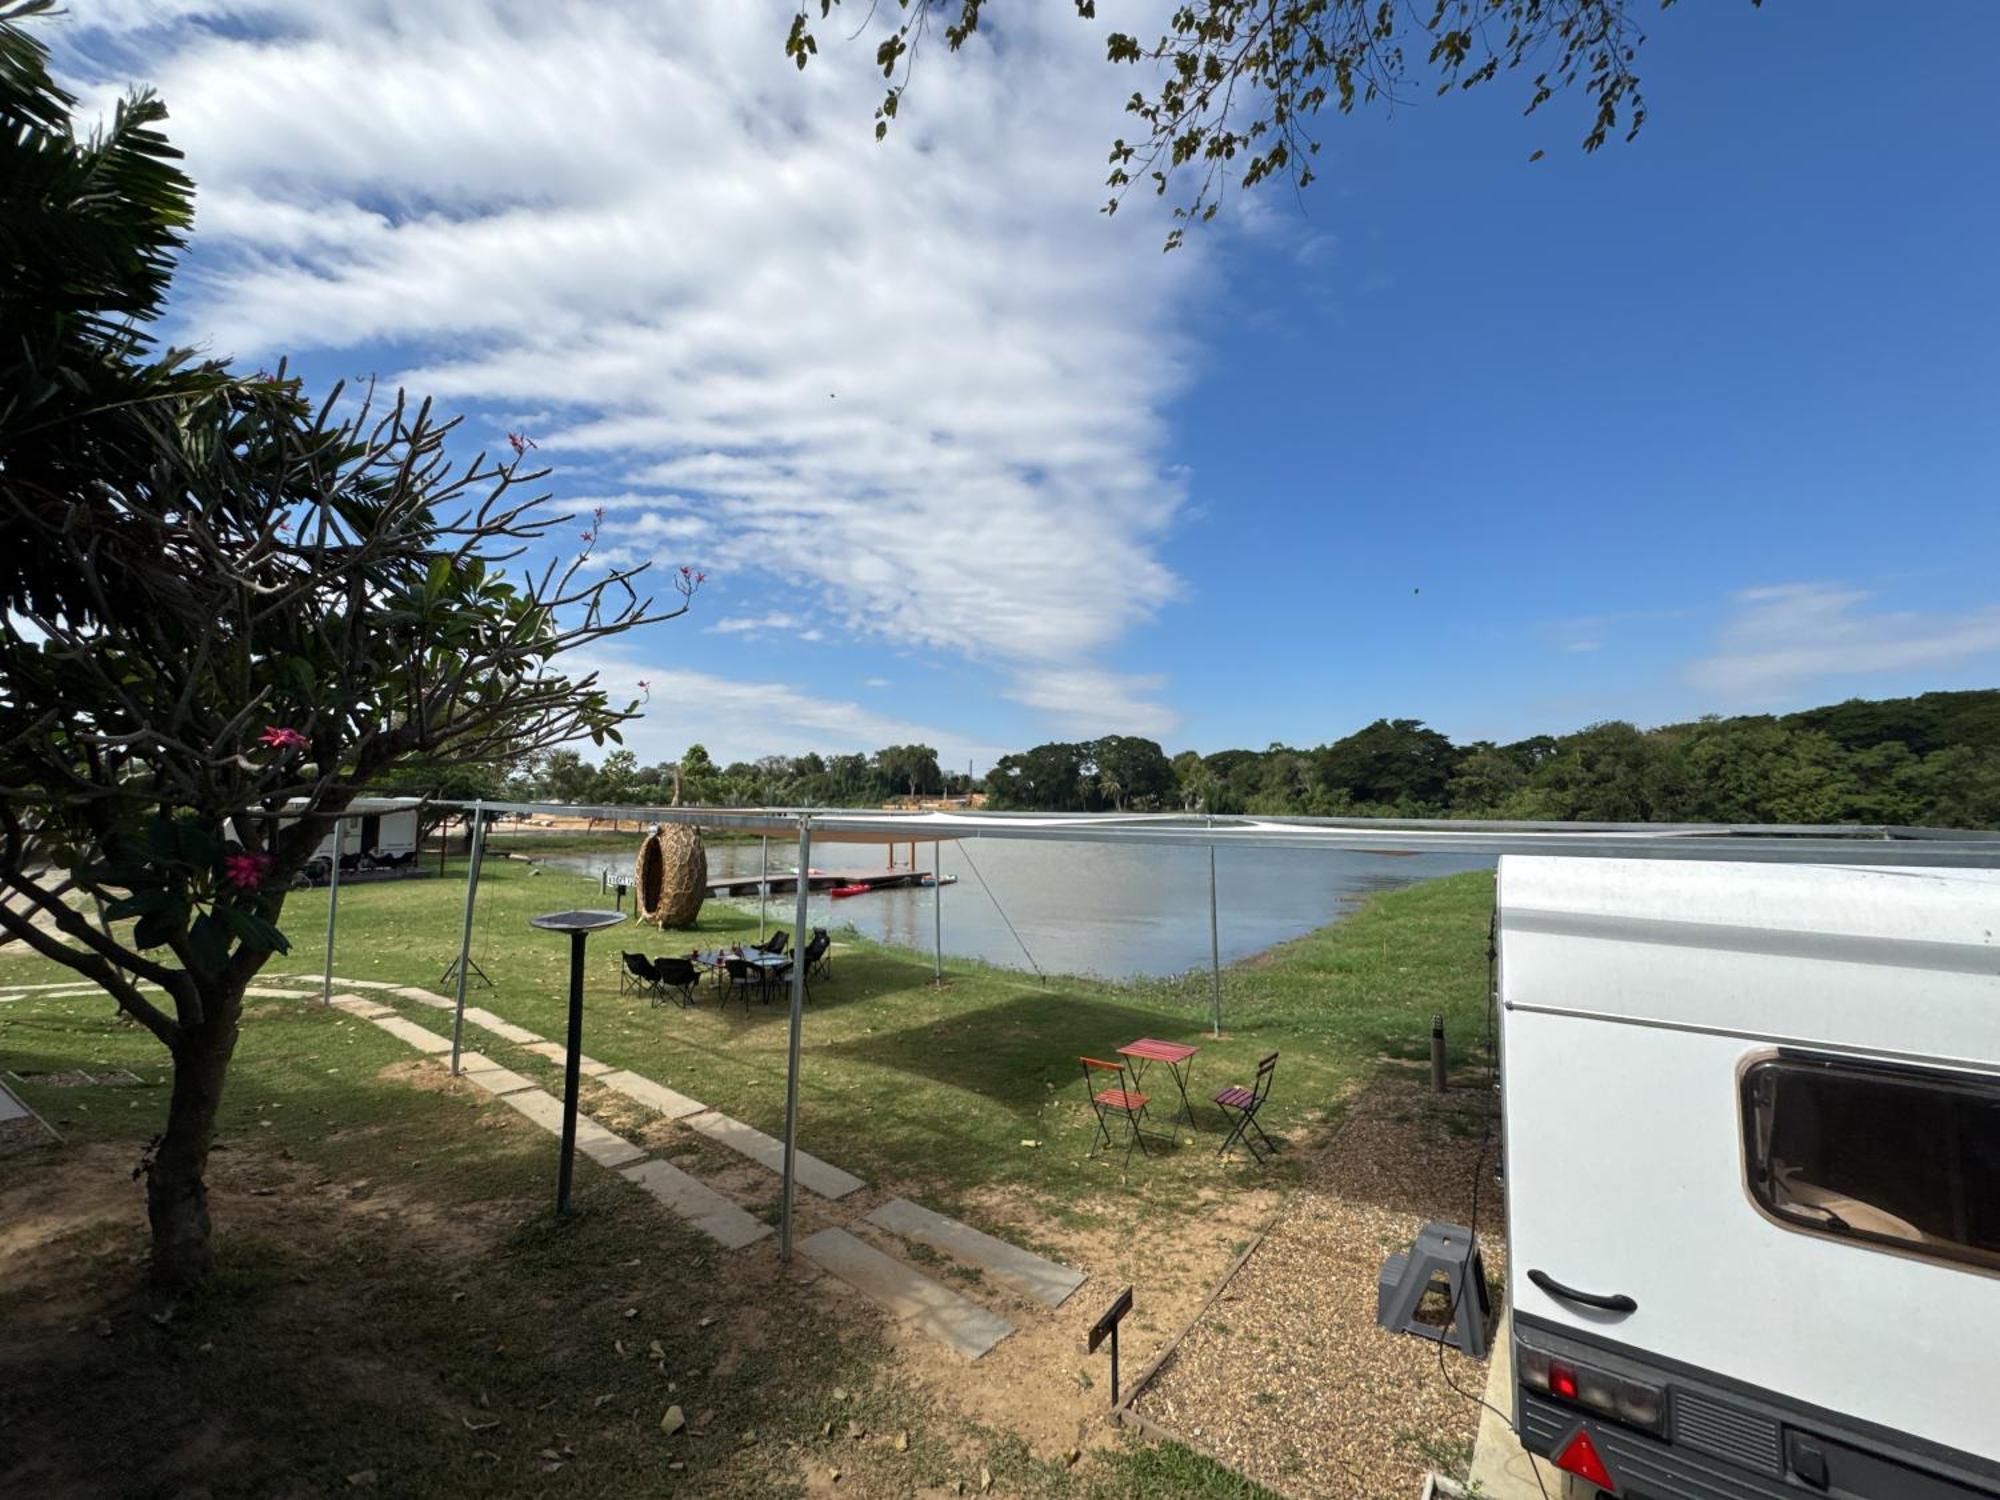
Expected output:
{"points": [[849, 890]]}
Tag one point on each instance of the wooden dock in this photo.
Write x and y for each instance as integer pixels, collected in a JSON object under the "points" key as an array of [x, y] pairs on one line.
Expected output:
{"points": [[786, 882]]}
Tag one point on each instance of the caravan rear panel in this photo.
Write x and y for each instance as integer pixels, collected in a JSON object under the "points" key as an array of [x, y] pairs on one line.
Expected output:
{"points": [[1753, 1156]]}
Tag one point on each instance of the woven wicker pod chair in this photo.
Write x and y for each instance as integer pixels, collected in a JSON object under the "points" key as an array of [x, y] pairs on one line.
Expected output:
{"points": [[671, 876]]}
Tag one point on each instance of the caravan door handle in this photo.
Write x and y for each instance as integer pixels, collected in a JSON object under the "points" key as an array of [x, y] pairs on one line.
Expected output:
{"points": [[1617, 1302]]}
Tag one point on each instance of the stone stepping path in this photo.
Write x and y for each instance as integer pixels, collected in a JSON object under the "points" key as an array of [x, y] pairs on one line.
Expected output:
{"points": [[907, 1293], [822, 1177], [368, 1010], [900, 1289], [485, 1020], [483, 1072], [1043, 1280], [602, 1146], [654, 1096], [721, 1219], [557, 1053], [420, 1037]]}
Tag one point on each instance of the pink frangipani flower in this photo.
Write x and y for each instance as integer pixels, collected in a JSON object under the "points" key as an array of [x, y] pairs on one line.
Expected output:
{"points": [[282, 739], [246, 871]]}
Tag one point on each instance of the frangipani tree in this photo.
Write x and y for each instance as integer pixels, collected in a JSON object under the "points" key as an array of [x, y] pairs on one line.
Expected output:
{"points": [[219, 604]]}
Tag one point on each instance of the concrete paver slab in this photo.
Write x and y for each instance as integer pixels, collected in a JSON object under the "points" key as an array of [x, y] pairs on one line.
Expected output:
{"points": [[1045, 1281], [500, 1026], [653, 1095], [421, 1038], [602, 1146], [822, 1177], [476, 1068], [424, 997], [906, 1292], [354, 1005], [555, 1052], [726, 1222]]}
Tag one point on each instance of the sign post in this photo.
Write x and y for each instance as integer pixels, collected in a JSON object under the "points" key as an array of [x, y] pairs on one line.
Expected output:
{"points": [[1107, 1326]]}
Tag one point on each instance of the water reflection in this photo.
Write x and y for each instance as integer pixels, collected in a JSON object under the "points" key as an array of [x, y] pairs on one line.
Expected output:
{"points": [[1106, 909]]}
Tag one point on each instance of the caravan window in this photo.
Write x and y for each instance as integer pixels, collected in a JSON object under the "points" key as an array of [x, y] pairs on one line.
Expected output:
{"points": [[1902, 1157]]}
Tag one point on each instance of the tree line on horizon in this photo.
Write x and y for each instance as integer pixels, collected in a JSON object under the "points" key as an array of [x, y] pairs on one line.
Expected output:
{"points": [[1931, 760]]}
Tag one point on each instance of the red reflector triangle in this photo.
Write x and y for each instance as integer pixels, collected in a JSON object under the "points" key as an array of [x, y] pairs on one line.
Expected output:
{"points": [[1581, 1459]]}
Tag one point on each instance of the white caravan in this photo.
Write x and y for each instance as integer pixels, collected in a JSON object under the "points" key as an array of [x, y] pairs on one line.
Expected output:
{"points": [[375, 825], [1752, 1121]]}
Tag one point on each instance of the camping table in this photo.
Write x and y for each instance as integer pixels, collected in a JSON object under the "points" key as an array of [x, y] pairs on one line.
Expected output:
{"points": [[1178, 1057], [763, 962]]}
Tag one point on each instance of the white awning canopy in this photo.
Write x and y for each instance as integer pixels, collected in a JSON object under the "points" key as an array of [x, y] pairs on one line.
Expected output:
{"points": [[1851, 845]]}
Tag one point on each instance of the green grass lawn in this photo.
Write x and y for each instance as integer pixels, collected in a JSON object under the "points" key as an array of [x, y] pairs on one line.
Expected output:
{"points": [[900, 1081], [342, 1339]]}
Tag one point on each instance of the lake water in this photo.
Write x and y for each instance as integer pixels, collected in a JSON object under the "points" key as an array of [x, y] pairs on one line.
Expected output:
{"points": [[1105, 909]]}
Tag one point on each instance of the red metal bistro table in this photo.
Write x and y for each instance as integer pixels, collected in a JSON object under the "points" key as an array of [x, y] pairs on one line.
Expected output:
{"points": [[1179, 1059]]}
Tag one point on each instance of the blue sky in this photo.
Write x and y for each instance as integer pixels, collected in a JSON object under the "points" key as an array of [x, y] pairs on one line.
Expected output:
{"points": [[1703, 423]]}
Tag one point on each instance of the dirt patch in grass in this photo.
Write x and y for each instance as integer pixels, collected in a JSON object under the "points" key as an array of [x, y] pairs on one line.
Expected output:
{"points": [[359, 1328], [1287, 1376]]}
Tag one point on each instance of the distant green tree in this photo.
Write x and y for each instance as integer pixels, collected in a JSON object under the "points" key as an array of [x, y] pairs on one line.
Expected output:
{"points": [[909, 770], [1611, 773], [1194, 783], [1959, 787], [567, 777], [1396, 763], [1484, 782], [1132, 772], [1754, 770]]}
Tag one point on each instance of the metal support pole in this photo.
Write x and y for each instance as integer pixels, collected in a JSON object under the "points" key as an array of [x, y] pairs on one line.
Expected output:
{"points": [[570, 1070], [764, 883], [798, 1027], [1114, 1364], [937, 911], [332, 908], [465, 932], [1214, 946]]}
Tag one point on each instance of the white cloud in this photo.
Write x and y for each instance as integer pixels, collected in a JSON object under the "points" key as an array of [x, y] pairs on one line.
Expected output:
{"points": [[1083, 701], [737, 720], [918, 382], [876, 682], [751, 624], [1785, 637]]}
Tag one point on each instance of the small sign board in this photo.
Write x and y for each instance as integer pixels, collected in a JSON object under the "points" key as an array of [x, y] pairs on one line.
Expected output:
{"points": [[1108, 1324]]}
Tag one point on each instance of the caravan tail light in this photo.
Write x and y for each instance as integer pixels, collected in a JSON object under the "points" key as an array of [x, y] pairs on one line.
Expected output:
{"points": [[1642, 1405], [1597, 1390], [1562, 1380], [1532, 1367], [1636, 1403]]}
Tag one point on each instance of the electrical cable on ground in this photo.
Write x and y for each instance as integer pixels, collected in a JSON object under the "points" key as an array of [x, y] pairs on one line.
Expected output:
{"points": [[1478, 1172]]}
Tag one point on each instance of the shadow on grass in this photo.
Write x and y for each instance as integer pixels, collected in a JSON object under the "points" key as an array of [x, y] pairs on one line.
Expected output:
{"points": [[1011, 1052]]}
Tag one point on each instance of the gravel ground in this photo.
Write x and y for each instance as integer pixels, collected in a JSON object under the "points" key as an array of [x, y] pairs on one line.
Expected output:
{"points": [[1287, 1377]]}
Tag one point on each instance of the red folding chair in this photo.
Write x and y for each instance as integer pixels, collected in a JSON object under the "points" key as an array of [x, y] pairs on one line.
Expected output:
{"points": [[1246, 1103], [1121, 1100]]}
